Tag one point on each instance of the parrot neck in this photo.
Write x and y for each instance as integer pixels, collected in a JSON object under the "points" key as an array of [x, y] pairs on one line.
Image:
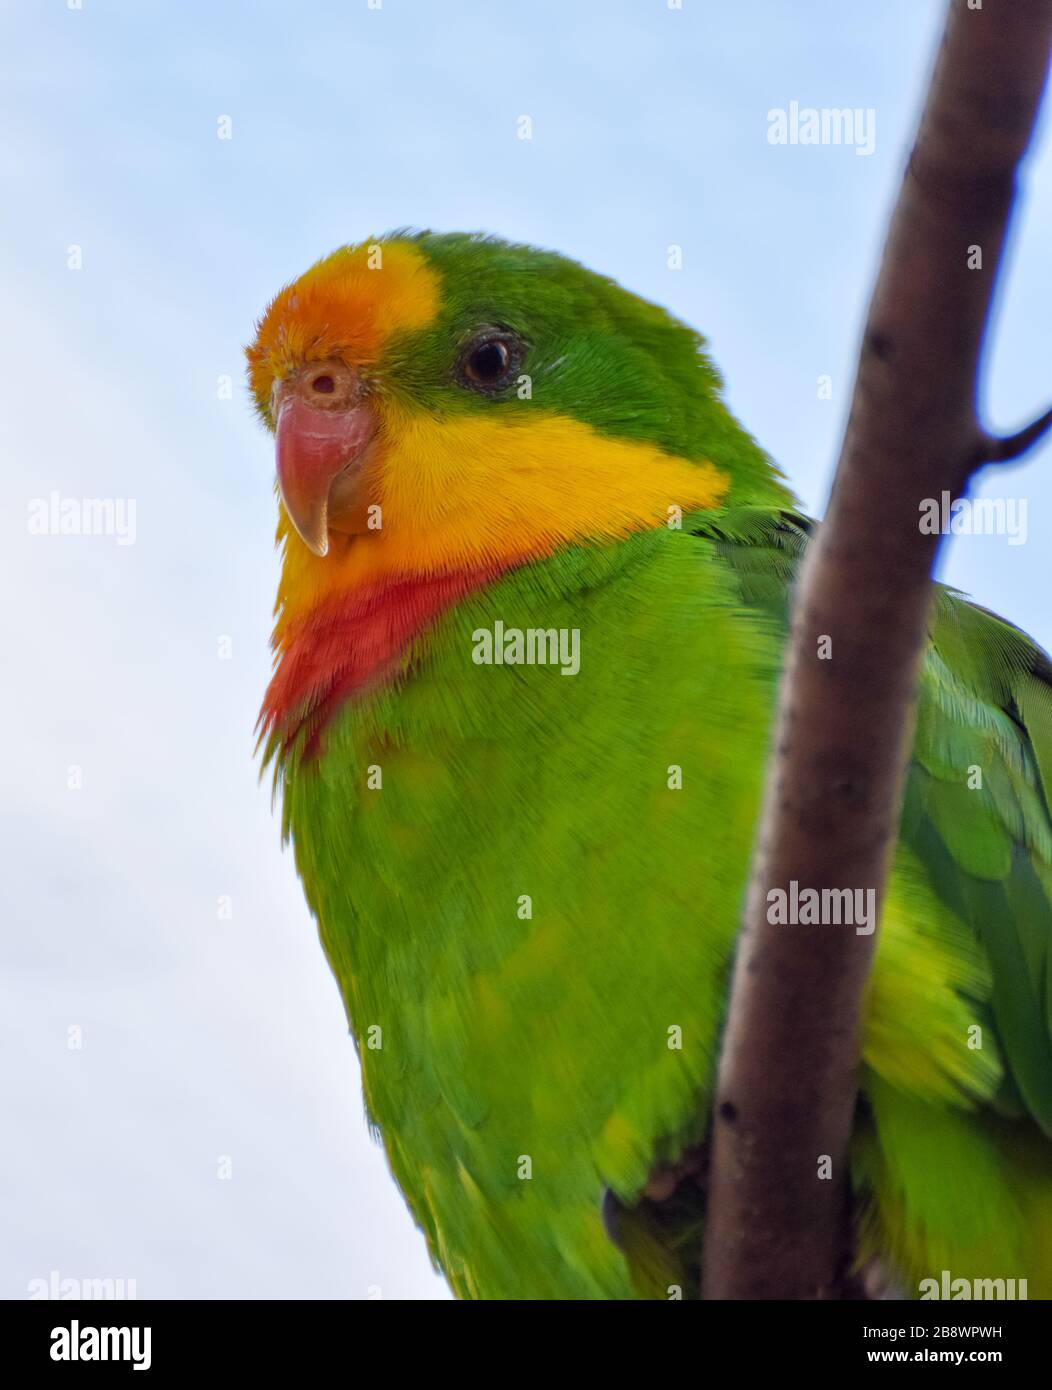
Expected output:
{"points": [[352, 642]]}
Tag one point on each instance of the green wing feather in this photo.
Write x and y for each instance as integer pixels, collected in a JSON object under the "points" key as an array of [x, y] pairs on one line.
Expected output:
{"points": [[981, 747], [977, 800], [938, 1189]]}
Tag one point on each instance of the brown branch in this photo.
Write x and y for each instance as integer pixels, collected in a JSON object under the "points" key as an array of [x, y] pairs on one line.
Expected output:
{"points": [[788, 1074]]}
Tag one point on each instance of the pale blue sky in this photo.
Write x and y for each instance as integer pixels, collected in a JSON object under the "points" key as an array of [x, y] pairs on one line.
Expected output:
{"points": [[204, 1036]]}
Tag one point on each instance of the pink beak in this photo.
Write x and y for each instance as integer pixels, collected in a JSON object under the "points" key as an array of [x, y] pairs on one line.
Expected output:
{"points": [[321, 436]]}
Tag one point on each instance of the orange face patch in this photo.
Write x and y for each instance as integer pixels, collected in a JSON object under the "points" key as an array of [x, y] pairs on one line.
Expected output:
{"points": [[347, 305]]}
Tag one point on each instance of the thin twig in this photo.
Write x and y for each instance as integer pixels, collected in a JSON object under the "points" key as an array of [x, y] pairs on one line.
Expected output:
{"points": [[1007, 449]]}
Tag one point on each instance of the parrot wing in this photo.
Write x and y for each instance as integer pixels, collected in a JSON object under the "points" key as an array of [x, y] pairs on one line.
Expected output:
{"points": [[976, 810]]}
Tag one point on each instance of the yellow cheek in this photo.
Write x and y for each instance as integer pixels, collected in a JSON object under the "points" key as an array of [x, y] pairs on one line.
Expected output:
{"points": [[479, 488], [474, 490]]}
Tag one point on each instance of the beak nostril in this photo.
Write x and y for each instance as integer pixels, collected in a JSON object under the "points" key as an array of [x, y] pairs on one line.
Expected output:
{"points": [[324, 384]]}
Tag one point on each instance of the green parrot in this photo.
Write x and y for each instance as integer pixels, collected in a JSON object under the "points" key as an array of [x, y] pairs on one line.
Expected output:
{"points": [[531, 615]]}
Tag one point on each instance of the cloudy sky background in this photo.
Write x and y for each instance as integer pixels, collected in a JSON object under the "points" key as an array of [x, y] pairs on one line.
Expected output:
{"points": [[205, 1036]]}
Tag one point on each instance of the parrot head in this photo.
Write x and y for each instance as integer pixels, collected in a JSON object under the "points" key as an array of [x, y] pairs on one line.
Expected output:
{"points": [[448, 407], [456, 398]]}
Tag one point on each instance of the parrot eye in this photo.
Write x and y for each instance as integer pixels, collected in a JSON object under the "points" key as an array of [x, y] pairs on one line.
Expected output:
{"points": [[490, 360]]}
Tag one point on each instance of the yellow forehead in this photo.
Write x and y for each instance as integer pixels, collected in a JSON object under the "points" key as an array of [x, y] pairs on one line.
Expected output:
{"points": [[348, 304]]}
